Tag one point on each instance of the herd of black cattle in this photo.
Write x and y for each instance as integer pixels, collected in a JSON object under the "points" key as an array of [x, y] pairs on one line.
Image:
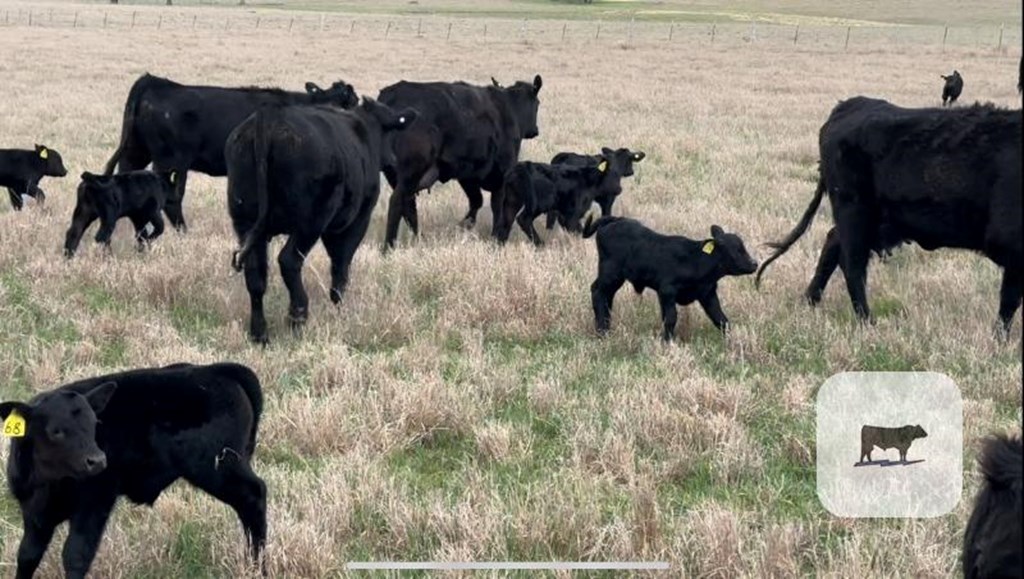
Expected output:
{"points": [[307, 165]]}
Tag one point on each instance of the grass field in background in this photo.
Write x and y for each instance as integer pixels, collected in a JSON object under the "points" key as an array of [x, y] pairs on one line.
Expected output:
{"points": [[458, 405]]}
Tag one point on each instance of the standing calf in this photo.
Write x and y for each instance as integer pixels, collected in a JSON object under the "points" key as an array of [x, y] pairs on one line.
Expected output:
{"points": [[620, 164], [992, 540], [138, 195], [681, 270], [21, 171], [952, 88], [538, 188], [76, 449]]}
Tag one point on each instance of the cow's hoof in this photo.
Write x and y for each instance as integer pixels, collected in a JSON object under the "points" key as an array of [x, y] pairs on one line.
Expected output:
{"points": [[813, 298], [68, 253], [335, 296], [468, 223], [297, 320], [260, 339]]}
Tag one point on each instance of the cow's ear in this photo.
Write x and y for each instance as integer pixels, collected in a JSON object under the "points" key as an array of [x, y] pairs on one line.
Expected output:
{"points": [[99, 396], [608, 153], [639, 156], [537, 83], [495, 82], [312, 88], [716, 232], [6, 408]]}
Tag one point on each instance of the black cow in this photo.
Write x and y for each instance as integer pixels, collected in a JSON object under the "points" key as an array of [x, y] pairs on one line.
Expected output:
{"points": [[885, 438], [312, 173], [681, 270], [538, 188], [992, 539], [21, 171], [952, 88], [620, 164], [938, 177], [137, 195], [183, 128], [468, 133], [77, 448]]}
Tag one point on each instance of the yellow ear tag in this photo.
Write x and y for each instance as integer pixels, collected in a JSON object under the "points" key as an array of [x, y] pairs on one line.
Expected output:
{"points": [[173, 177], [602, 166], [708, 247], [14, 425], [44, 154]]}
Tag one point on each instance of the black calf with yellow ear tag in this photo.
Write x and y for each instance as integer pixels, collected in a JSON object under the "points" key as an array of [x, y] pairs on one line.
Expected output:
{"points": [[44, 153], [709, 246]]}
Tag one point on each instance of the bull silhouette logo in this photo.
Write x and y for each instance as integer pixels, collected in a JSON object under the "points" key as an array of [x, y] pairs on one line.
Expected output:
{"points": [[885, 438]]}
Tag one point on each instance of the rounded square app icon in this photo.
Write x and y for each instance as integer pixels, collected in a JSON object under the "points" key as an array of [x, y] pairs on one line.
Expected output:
{"points": [[889, 444]]}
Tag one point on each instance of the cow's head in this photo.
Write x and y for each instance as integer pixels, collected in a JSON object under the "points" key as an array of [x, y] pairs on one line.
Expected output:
{"points": [[622, 159], [102, 193], [53, 163], [918, 432], [60, 427], [522, 98], [734, 257], [386, 117], [339, 94]]}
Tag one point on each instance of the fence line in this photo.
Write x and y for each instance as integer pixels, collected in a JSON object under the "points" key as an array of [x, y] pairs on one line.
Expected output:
{"points": [[625, 32]]}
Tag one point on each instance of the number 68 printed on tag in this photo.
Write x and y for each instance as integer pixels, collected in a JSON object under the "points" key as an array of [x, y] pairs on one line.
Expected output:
{"points": [[14, 426]]}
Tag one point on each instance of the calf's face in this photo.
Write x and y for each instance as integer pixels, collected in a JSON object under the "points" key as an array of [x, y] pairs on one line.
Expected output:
{"points": [[339, 94], [61, 428], [525, 104], [53, 163], [622, 159], [100, 192], [735, 258], [919, 432]]}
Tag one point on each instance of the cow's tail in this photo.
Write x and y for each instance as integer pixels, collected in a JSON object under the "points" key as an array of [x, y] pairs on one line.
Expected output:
{"points": [[131, 107], [261, 149], [591, 227], [250, 384], [1001, 462], [783, 246]]}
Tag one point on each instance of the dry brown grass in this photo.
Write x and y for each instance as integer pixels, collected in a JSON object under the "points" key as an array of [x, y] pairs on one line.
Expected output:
{"points": [[457, 406]]}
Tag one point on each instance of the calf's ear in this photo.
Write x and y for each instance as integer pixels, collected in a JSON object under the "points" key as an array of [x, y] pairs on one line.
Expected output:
{"points": [[99, 396], [312, 88], [716, 231], [537, 83], [495, 82], [6, 408]]}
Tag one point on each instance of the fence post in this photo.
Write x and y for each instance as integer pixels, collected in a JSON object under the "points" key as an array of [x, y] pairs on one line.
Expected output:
{"points": [[258, 18], [133, 19], [563, 31], [387, 30], [291, 23], [485, 31], [352, 27], [160, 22], [104, 20], [598, 33], [75, 25], [448, 36], [945, 33], [419, 28], [1000, 47], [671, 31], [30, 19], [713, 28], [846, 45], [796, 34], [193, 22]]}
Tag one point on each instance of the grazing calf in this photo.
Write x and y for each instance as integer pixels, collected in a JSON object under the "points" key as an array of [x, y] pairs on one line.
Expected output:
{"points": [[937, 177], [681, 270], [138, 195], [952, 88], [620, 164], [76, 449], [538, 188], [885, 438], [992, 539], [311, 173], [21, 171]]}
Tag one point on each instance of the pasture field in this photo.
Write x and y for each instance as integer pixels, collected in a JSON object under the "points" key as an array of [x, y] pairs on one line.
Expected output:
{"points": [[457, 405]]}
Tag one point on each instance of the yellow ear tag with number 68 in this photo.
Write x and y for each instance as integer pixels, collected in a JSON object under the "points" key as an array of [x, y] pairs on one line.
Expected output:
{"points": [[44, 154], [708, 247], [14, 425]]}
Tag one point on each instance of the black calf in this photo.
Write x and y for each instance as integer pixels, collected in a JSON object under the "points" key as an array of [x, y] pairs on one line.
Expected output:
{"points": [[137, 195], [21, 171]]}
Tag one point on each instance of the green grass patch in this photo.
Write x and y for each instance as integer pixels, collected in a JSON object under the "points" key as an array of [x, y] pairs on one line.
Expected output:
{"points": [[196, 323], [435, 463]]}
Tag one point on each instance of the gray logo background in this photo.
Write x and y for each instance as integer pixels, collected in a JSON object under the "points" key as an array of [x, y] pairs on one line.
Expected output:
{"points": [[850, 400]]}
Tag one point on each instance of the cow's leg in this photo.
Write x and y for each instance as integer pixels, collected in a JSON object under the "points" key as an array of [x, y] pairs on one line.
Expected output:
{"points": [[713, 308], [233, 482], [38, 533], [395, 204], [35, 192], [16, 201], [175, 207], [410, 214], [1009, 298], [497, 209], [341, 247], [256, 284], [602, 296], [81, 219], [552, 218], [855, 254], [106, 231], [476, 201], [84, 534], [827, 263], [667, 301], [525, 221], [290, 260]]}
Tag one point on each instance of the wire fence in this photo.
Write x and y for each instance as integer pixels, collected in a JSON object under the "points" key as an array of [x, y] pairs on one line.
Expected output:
{"points": [[542, 31]]}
